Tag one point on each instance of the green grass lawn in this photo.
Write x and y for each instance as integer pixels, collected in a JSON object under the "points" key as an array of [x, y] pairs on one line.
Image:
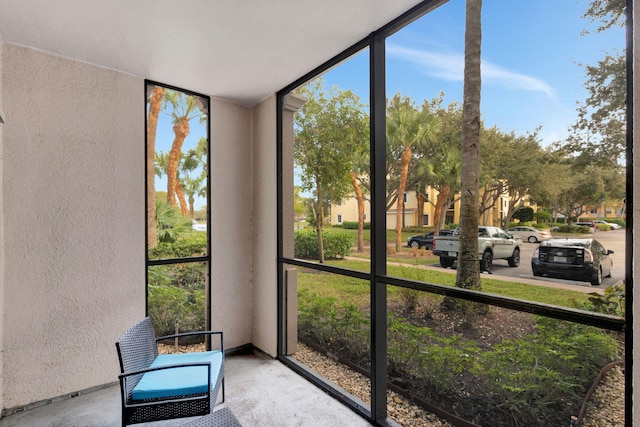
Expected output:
{"points": [[356, 291]]}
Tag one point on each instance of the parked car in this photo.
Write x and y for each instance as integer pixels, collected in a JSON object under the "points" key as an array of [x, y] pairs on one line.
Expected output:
{"points": [[493, 243], [613, 225], [426, 240], [530, 234], [581, 259]]}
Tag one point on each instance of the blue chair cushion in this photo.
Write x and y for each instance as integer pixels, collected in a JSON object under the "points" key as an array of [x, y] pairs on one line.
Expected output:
{"points": [[181, 381]]}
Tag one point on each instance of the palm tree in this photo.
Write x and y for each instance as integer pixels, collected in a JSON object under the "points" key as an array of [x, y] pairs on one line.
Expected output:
{"points": [[468, 272], [407, 128], [184, 109], [171, 223], [155, 104]]}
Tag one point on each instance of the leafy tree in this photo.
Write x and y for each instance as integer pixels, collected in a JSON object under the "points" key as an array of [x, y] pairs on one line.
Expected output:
{"points": [[493, 144], [549, 194], [599, 134], [524, 214], [542, 215], [328, 127], [585, 189], [520, 180], [468, 272]]}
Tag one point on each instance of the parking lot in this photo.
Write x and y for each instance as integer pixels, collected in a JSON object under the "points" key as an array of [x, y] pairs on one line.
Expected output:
{"points": [[613, 240]]}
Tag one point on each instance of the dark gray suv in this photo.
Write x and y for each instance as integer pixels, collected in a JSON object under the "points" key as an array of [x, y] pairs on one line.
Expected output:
{"points": [[579, 259]]}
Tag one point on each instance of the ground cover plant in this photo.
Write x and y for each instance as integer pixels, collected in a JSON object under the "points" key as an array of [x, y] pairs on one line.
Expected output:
{"points": [[504, 368]]}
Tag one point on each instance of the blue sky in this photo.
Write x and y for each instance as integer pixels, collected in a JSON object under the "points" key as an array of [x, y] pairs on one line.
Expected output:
{"points": [[531, 51], [531, 77]]}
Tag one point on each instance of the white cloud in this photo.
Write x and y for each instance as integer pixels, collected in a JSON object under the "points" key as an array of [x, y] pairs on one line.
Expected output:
{"points": [[450, 66]]}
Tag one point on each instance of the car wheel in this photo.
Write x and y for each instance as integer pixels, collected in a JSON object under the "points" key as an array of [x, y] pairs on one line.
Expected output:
{"points": [[532, 239], [597, 278], [610, 272], [514, 261], [446, 262], [486, 262], [415, 245]]}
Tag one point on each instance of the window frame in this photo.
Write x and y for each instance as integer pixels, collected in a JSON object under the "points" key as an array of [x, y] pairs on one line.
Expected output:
{"points": [[206, 259], [378, 278]]}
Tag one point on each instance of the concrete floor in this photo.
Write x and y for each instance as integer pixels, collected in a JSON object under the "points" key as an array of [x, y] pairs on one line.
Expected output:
{"points": [[259, 390]]}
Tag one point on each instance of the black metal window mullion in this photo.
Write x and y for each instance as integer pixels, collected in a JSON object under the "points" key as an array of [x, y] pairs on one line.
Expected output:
{"points": [[629, 208], [378, 230]]}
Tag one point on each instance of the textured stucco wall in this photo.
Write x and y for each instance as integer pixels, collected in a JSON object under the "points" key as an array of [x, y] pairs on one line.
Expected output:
{"points": [[73, 193], [1, 243], [265, 228], [231, 221]]}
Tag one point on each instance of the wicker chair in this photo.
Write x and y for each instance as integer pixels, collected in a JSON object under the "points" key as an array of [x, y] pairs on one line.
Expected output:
{"points": [[174, 385]]}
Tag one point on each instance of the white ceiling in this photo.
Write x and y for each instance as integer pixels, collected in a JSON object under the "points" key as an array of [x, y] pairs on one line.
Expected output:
{"points": [[239, 50]]}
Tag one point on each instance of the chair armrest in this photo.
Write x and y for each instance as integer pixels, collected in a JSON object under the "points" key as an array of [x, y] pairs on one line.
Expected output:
{"points": [[188, 334], [177, 365]]}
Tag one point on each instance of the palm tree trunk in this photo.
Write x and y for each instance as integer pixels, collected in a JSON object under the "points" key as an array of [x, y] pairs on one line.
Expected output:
{"points": [[184, 208], [441, 204], [421, 201], [468, 273], [360, 200], [155, 103], [404, 173], [180, 130]]}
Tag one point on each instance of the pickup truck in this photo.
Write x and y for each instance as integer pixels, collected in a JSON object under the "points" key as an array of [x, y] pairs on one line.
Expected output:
{"points": [[493, 243]]}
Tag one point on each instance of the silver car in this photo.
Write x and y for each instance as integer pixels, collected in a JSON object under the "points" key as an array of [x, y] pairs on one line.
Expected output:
{"points": [[529, 234]]}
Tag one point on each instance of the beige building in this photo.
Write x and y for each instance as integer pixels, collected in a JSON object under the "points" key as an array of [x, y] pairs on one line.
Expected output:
{"points": [[348, 211]]}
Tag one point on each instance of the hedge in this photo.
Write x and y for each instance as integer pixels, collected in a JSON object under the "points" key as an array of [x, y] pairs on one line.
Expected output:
{"points": [[335, 245]]}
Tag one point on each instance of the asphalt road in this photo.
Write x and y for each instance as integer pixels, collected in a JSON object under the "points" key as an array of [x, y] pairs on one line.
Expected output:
{"points": [[613, 240]]}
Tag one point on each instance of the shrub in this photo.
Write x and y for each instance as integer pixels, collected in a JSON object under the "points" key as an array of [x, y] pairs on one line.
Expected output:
{"points": [[417, 229], [574, 229], [353, 225], [335, 244], [547, 373], [193, 244], [611, 302], [542, 215], [536, 380], [168, 304], [435, 362], [409, 299], [342, 328]]}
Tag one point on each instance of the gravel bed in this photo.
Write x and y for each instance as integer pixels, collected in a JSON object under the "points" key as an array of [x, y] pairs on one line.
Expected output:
{"points": [[606, 406], [399, 409]]}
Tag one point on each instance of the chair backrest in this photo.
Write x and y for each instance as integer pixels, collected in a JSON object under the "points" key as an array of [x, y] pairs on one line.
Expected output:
{"points": [[137, 348]]}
